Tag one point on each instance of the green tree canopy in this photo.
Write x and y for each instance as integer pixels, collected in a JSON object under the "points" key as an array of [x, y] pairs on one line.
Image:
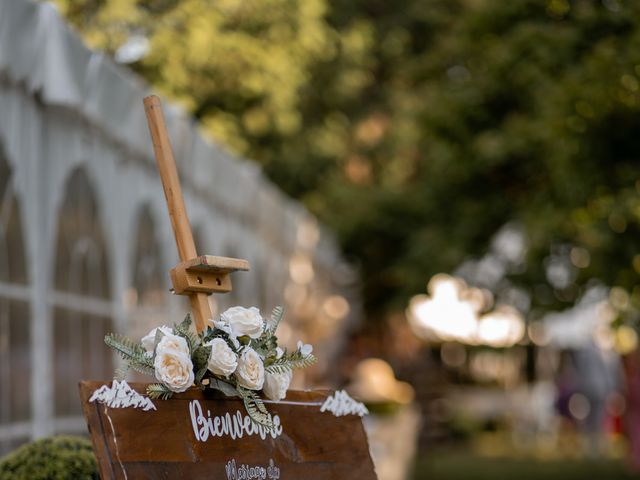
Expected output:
{"points": [[417, 128]]}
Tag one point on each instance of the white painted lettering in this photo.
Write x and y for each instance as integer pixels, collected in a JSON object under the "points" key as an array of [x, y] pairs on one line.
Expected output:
{"points": [[234, 425], [243, 471]]}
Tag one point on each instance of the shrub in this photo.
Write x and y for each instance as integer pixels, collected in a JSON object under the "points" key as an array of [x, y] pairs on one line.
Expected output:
{"points": [[53, 458]]}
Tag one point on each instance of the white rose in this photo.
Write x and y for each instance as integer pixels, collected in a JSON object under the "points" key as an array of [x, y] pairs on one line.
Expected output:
{"points": [[250, 371], [149, 340], [174, 369], [173, 342], [276, 384], [222, 360], [244, 321]]}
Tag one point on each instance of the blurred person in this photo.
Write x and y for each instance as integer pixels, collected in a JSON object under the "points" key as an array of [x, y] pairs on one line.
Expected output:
{"points": [[598, 377], [565, 386]]}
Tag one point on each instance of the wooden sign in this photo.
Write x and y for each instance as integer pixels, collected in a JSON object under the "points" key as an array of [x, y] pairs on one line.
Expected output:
{"points": [[196, 435]]}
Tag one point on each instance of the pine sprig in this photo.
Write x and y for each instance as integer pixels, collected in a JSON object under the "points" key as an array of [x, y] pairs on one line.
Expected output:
{"points": [[158, 390], [290, 362], [184, 330], [124, 346], [134, 354], [274, 321]]}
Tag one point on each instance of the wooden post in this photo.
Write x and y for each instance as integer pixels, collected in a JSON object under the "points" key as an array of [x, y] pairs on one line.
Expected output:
{"points": [[175, 201]]}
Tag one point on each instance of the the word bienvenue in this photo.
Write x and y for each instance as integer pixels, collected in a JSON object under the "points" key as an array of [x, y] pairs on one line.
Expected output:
{"points": [[235, 425], [251, 472]]}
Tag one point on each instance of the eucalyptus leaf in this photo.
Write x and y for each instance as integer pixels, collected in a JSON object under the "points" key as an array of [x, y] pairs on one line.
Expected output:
{"points": [[224, 387]]}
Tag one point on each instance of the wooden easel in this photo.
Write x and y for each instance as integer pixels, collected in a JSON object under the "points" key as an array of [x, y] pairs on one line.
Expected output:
{"points": [[196, 276], [169, 443]]}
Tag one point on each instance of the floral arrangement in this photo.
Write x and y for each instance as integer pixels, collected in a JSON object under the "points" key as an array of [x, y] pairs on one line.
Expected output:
{"points": [[238, 354]]}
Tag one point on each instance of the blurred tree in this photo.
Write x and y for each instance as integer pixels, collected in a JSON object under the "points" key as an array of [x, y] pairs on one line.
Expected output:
{"points": [[531, 113], [417, 128], [237, 66]]}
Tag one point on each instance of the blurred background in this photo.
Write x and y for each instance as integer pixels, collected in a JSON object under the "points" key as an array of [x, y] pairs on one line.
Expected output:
{"points": [[443, 193]]}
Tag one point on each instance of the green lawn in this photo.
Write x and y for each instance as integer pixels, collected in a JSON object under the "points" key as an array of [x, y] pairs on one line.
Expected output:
{"points": [[458, 466]]}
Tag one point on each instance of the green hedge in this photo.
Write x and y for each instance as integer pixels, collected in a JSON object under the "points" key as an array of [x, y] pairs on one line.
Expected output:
{"points": [[53, 458]]}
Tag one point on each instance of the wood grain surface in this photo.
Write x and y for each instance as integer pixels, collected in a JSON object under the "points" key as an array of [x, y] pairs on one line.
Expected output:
{"points": [[175, 201], [162, 444]]}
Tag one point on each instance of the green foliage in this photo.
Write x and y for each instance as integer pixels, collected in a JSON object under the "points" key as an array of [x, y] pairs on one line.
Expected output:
{"points": [[255, 408], [289, 362], [134, 354], [53, 458], [183, 329], [200, 359], [210, 333], [224, 387], [530, 117], [159, 390], [274, 320], [238, 66]]}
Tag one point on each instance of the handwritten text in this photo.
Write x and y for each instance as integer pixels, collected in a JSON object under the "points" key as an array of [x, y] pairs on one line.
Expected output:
{"points": [[251, 472], [234, 425]]}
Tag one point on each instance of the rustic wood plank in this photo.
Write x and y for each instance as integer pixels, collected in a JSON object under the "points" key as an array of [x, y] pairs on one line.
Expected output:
{"points": [[206, 274], [212, 263], [186, 282], [131, 443]]}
